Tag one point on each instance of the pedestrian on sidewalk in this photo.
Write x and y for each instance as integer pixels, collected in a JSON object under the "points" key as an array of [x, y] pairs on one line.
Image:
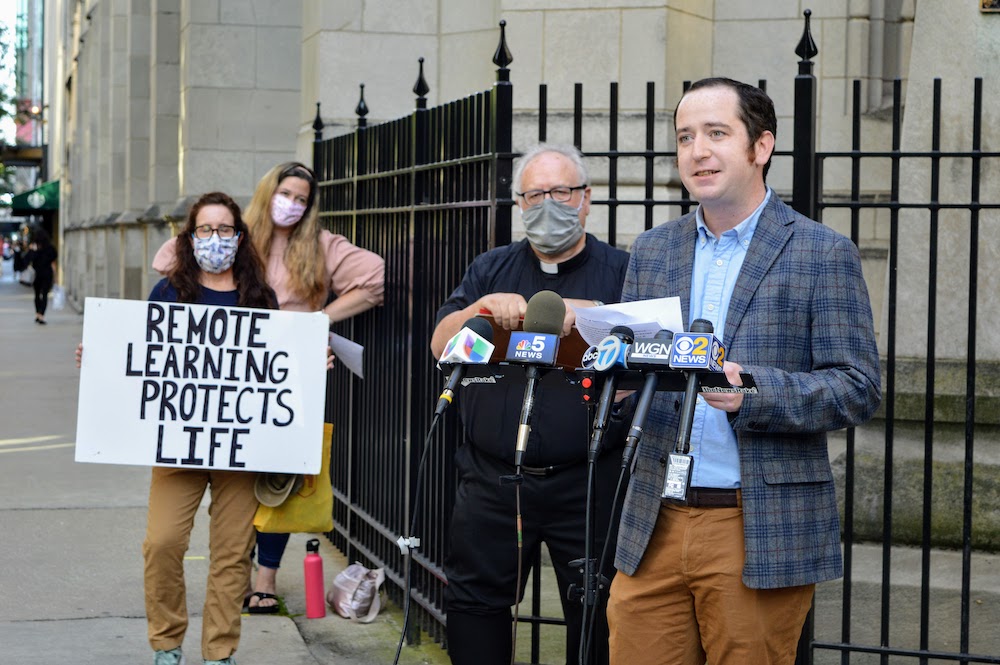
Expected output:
{"points": [[41, 257], [18, 262], [304, 264]]}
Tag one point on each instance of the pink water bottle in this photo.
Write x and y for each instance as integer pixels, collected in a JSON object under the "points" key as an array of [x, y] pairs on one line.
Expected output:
{"points": [[315, 593]]}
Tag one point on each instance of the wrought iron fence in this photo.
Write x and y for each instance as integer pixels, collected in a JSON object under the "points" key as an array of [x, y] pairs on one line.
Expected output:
{"points": [[430, 191], [913, 643], [423, 192]]}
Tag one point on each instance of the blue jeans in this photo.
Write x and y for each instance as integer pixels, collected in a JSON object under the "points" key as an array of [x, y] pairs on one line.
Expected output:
{"points": [[270, 548]]}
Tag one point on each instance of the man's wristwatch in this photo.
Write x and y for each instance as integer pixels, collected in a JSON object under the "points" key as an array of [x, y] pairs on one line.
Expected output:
{"points": [[598, 303]]}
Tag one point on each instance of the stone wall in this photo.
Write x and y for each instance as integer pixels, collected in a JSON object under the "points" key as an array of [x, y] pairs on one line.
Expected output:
{"points": [[165, 100]]}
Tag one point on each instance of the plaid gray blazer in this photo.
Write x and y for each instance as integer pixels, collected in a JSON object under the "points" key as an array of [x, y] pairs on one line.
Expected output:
{"points": [[800, 321]]}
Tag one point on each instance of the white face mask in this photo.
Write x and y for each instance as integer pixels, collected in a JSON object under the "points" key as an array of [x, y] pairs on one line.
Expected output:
{"points": [[552, 227], [215, 254], [286, 212]]}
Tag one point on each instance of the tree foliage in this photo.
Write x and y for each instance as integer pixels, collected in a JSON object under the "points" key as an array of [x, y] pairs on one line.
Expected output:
{"points": [[8, 109], [7, 101]]}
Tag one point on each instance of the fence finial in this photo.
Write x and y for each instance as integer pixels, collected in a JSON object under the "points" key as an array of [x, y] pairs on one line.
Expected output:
{"points": [[318, 124], [502, 56], [807, 47], [420, 88], [361, 110]]}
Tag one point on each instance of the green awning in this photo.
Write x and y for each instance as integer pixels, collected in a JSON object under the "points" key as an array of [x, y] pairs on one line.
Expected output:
{"points": [[44, 197]]}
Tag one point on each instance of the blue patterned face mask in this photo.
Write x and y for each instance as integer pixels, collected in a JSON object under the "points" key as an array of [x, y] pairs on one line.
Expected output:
{"points": [[215, 254]]}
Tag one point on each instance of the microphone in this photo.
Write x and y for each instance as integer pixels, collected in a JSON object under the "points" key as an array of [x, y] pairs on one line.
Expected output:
{"points": [[545, 313], [536, 345], [696, 351], [538, 340], [471, 345], [649, 355], [611, 351]]}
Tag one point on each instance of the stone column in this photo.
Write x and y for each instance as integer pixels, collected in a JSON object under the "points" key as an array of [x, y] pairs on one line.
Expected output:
{"points": [[957, 43], [164, 107], [239, 92], [115, 123], [90, 108], [137, 123]]}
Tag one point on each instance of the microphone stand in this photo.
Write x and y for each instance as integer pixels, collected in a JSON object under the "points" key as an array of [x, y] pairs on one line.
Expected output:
{"points": [[683, 442], [531, 373], [593, 580], [649, 389], [653, 380]]}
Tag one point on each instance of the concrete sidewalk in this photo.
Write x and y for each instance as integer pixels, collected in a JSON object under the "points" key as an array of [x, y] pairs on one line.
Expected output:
{"points": [[71, 573]]}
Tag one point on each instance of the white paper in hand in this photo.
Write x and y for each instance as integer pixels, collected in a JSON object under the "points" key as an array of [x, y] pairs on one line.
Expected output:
{"points": [[644, 317], [349, 353]]}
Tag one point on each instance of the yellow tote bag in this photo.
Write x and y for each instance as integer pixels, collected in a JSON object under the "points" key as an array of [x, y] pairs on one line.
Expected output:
{"points": [[310, 510]]}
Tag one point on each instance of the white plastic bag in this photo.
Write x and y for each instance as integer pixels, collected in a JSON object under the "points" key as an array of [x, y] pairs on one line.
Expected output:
{"points": [[58, 297], [356, 593], [28, 276]]}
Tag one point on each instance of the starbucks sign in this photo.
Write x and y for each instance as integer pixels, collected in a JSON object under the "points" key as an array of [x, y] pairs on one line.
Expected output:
{"points": [[36, 199]]}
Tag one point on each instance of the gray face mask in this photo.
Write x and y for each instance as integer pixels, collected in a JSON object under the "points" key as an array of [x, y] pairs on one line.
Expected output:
{"points": [[552, 227]]}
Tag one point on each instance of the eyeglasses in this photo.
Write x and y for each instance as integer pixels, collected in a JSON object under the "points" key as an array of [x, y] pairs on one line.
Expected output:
{"points": [[205, 231], [561, 194]]}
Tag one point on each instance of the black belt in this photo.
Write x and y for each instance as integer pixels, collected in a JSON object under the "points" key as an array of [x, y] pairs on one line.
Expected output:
{"points": [[543, 471], [710, 497]]}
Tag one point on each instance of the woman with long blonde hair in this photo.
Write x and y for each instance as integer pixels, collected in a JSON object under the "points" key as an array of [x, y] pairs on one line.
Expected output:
{"points": [[304, 264]]}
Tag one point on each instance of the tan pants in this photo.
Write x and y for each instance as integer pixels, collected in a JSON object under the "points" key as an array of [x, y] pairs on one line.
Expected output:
{"points": [[174, 496], [687, 605]]}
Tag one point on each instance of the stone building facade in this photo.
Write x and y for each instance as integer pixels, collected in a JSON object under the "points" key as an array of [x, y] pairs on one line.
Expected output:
{"points": [[162, 99], [155, 101]]}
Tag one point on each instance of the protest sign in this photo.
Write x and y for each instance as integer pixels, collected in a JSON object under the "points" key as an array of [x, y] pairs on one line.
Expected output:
{"points": [[201, 387]]}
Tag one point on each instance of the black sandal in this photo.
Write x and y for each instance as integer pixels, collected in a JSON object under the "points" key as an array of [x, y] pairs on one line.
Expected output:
{"points": [[257, 609]]}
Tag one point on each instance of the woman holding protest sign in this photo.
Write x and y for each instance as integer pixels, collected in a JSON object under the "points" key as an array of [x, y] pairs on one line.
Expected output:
{"points": [[304, 264], [214, 264]]}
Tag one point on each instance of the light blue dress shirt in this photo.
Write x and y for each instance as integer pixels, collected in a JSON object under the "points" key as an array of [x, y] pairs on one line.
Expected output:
{"points": [[717, 263]]}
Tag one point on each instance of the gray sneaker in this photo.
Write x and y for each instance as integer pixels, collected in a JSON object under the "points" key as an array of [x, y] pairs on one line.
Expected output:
{"points": [[224, 661], [172, 657]]}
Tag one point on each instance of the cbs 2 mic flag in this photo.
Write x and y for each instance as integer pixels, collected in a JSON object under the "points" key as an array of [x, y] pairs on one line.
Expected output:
{"points": [[697, 351]]}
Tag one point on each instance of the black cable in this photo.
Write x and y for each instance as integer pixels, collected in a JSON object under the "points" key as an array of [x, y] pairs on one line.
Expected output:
{"points": [[413, 528], [584, 649], [589, 634], [592, 573], [520, 560]]}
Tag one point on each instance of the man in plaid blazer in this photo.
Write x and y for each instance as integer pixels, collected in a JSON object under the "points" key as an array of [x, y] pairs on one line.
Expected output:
{"points": [[727, 575]]}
